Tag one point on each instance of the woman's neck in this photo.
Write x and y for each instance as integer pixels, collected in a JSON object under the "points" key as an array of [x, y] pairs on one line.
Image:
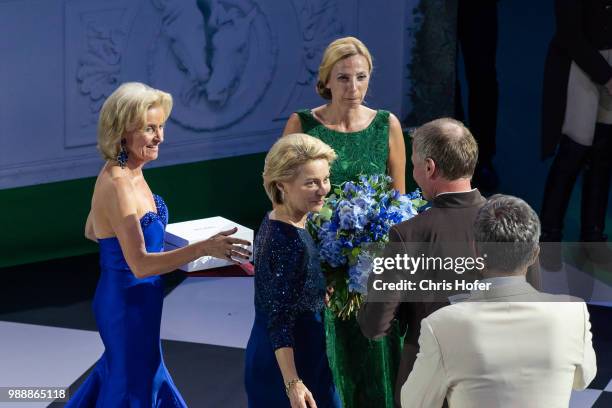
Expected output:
{"points": [[285, 214], [344, 116], [132, 168]]}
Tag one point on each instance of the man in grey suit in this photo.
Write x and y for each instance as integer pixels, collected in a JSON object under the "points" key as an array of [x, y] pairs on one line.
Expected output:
{"points": [[444, 156], [509, 345]]}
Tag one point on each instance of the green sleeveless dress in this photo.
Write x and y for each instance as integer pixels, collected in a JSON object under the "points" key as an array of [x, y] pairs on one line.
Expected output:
{"points": [[364, 370]]}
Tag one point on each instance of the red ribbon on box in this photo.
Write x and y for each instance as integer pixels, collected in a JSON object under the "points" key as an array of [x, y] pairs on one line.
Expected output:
{"points": [[244, 269]]}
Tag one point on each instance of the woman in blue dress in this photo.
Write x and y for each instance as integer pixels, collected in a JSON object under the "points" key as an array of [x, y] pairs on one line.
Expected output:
{"points": [[286, 364], [128, 222]]}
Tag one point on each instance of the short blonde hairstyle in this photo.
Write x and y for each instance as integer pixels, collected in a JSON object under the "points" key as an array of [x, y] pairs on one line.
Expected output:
{"points": [[285, 157], [125, 110], [449, 144], [339, 49]]}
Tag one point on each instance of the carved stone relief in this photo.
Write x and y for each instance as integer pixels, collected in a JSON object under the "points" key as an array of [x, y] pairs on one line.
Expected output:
{"points": [[236, 70], [95, 36], [99, 68], [319, 26], [218, 60]]}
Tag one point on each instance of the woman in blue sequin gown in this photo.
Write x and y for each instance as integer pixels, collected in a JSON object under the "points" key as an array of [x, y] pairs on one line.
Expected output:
{"points": [[286, 364], [128, 222]]}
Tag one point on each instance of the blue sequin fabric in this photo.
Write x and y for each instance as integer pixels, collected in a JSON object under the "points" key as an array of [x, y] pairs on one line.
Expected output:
{"points": [[288, 278], [161, 214]]}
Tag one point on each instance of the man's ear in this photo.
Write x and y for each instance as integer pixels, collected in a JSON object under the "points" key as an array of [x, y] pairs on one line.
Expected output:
{"points": [[430, 167]]}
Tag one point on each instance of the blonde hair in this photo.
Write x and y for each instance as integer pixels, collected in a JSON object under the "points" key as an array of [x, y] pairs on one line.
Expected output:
{"points": [[125, 110], [449, 144], [285, 157], [339, 49]]}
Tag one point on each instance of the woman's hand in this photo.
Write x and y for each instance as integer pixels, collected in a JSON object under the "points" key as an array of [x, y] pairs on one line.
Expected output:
{"points": [[223, 246], [300, 397]]}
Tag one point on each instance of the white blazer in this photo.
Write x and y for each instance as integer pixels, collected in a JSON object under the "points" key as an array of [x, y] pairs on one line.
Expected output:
{"points": [[509, 347]]}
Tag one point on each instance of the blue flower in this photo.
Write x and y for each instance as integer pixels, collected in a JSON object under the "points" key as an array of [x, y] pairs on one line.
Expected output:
{"points": [[349, 187], [359, 273], [361, 212], [330, 251], [415, 194]]}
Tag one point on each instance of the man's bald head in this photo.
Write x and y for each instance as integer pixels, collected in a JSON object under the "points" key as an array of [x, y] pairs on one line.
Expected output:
{"points": [[449, 144]]}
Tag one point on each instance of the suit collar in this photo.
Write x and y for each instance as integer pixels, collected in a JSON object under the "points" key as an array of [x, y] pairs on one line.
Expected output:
{"points": [[504, 291], [458, 200]]}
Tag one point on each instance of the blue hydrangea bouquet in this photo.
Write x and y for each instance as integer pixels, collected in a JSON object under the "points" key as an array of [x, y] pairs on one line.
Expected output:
{"points": [[356, 217]]}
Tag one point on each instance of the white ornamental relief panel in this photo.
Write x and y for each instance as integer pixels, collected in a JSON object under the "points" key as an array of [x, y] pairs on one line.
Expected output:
{"points": [[217, 62], [95, 36], [236, 70], [319, 25]]}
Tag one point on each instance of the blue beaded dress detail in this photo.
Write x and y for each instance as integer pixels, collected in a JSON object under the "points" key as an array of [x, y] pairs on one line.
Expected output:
{"points": [[131, 372], [289, 293]]}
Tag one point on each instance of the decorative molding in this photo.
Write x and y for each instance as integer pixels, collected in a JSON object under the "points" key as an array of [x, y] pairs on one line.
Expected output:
{"points": [[94, 39], [194, 150], [318, 27], [218, 65], [99, 68], [221, 60]]}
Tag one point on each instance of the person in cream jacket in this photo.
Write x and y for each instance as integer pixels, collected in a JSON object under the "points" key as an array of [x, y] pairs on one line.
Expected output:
{"points": [[509, 346]]}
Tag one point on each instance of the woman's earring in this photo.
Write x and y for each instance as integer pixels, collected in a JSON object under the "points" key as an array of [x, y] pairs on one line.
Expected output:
{"points": [[122, 157]]}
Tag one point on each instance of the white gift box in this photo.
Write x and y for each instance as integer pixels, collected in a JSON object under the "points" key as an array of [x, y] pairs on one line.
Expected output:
{"points": [[180, 234]]}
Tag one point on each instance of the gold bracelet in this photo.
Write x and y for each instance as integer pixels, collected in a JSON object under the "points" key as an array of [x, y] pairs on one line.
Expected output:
{"points": [[291, 383]]}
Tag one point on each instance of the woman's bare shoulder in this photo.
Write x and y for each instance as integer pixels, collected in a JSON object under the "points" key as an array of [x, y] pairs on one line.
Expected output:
{"points": [[113, 181], [294, 125], [394, 121]]}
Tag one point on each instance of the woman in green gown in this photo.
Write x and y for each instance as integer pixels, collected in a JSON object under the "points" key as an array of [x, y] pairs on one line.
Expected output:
{"points": [[367, 142]]}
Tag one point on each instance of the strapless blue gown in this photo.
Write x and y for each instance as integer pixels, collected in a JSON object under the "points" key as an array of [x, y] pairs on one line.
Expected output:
{"points": [[131, 372]]}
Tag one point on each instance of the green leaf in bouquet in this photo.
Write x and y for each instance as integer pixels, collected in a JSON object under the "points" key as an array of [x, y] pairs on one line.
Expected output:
{"points": [[337, 191], [325, 213], [353, 255], [341, 289], [418, 202]]}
